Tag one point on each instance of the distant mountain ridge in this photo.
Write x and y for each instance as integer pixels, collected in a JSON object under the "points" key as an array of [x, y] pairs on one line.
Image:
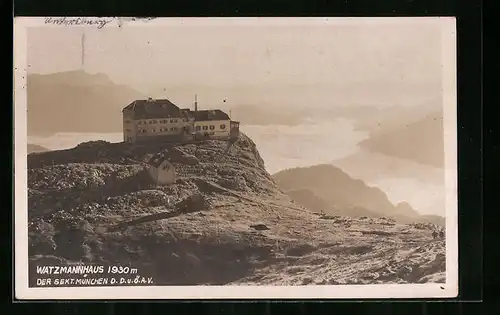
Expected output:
{"points": [[76, 101], [328, 189], [78, 96], [34, 148], [74, 78], [421, 141]]}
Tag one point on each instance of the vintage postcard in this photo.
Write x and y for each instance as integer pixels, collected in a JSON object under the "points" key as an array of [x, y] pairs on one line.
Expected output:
{"points": [[246, 158]]}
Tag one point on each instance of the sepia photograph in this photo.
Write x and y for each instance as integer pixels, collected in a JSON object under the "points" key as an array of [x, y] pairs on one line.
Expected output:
{"points": [[246, 158]]}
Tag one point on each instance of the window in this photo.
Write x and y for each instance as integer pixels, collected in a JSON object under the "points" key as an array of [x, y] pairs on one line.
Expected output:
{"points": [[144, 131], [198, 128], [139, 122], [223, 126], [172, 120], [205, 127], [153, 130], [212, 127]]}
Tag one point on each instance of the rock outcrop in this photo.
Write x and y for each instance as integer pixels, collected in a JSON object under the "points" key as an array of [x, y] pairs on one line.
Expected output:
{"points": [[224, 221]]}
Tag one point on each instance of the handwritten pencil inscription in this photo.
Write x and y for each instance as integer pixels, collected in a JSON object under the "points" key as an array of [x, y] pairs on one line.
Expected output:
{"points": [[93, 21], [87, 21]]}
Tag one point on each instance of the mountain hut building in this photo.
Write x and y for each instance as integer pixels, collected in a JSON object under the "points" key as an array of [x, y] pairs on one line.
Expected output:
{"points": [[159, 119]]}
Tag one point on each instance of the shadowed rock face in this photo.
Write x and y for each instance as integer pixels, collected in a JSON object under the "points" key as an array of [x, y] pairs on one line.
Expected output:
{"points": [[224, 221]]}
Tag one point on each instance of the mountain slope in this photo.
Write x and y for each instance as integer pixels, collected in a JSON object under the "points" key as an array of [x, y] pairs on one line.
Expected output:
{"points": [[421, 141], [224, 221], [75, 101]]}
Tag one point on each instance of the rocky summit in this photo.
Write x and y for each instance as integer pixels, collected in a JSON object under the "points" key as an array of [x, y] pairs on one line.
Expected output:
{"points": [[223, 221]]}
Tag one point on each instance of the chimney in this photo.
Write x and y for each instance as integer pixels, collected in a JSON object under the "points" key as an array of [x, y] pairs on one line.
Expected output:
{"points": [[195, 103]]}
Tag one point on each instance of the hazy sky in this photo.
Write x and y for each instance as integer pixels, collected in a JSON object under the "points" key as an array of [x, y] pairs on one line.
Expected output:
{"points": [[383, 61]]}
